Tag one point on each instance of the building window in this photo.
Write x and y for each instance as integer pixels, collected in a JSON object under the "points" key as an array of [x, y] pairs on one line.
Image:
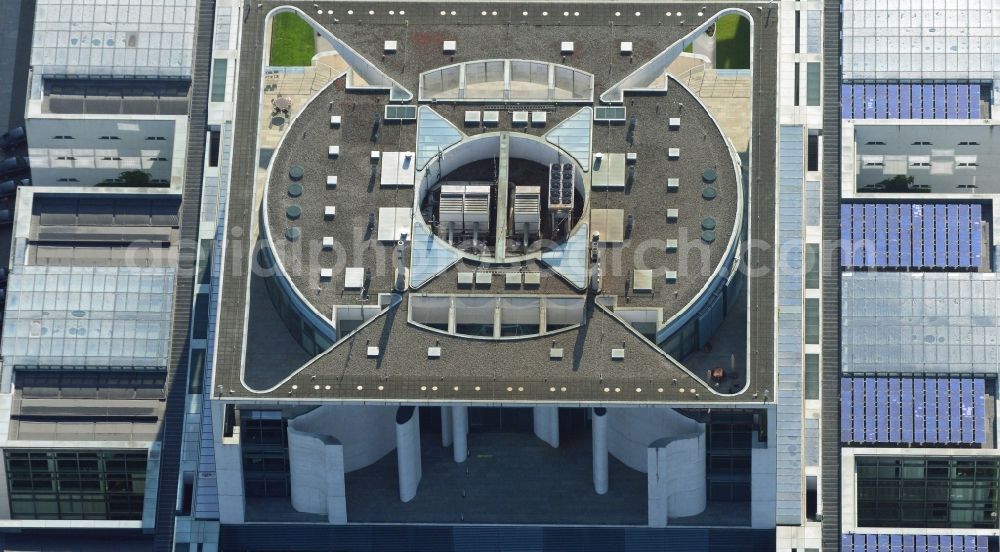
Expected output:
{"points": [[66, 158], [156, 138], [157, 158], [968, 143], [933, 492], [98, 484], [109, 138], [875, 143], [62, 137], [922, 143], [812, 376], [729, 437], [68, 180], [812, 83], [812, 266], [812, 321], [265, 454]]}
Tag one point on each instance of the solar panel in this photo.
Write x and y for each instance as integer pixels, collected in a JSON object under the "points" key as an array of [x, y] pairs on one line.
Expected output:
{"points": [[893, 241], [964, 236], [952, 102], [905, 240], [942, 411], [963, 101], [904, 102], [845, 235], [883, 543], [881, 101], [918, 235], [954, 407], [869, 235], [859, 100], [906, 398], [977, 236], [896, 542], [846, 101], [974, 104], [928, 212], [919, 412], [879, 242], [894, 411], [982, 543], [869, 101], [908, 543], [870, 436], [916, 101], [893, 101], [940, 109], [858, 410], [920, 542], [968, 399], [952, 233], [857, 235], [928, 95], [945, 543], [940, 237], [859, 542], [882, 409], [846, 407], [846, 543], [979, 392], [930, 411]]}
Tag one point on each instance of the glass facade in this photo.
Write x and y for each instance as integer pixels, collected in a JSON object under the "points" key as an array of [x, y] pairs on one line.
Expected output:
{"points": [[89, 484], [728, 463], [265, 456], [943, 492], [309, 335]]}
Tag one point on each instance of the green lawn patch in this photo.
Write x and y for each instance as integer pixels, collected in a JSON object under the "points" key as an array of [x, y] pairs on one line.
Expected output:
{"points": [[689, 48], [732, 43], [292, 42]]}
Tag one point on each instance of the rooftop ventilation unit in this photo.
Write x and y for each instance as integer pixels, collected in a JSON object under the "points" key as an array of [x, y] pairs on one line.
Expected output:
{"points": [[400, 112], [561, 177], [527, 210], [465, 209], [450, 46]]}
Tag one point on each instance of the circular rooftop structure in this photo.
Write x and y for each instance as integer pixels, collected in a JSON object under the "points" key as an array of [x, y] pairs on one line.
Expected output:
{"points": [[475, 209]]}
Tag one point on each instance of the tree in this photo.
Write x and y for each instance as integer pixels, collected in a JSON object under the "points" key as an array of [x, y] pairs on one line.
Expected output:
{"points": [[135, 179]]}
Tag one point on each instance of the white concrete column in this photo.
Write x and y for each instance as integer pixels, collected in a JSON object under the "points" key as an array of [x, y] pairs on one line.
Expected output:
{"points": [[546, 421], [764, 479], [445, 426], [460, 432], [336, 486], [656, 486], [408, 451], [599, 436]]}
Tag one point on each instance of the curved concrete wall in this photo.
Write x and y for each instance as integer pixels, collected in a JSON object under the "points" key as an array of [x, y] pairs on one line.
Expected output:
{"points": [[317, 475], [632, 430], [367, 433], [677, 483]]}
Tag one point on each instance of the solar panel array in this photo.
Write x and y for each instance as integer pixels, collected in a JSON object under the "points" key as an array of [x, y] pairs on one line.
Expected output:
{"points": [[918, 236], [857, 542], [910, 101], [913, 410]]}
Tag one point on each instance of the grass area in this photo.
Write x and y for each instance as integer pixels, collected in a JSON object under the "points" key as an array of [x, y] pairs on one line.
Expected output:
{"points": [[292, 42], [732, 43], [689, 48]]}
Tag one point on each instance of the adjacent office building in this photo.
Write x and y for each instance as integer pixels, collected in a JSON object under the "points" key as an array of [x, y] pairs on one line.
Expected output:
{"points": [[918, 325]]}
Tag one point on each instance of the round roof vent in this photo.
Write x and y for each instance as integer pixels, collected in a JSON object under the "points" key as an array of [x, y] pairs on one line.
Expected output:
{"points": [[296, 172], [710, 175], [708, 236], [709, 193], [293, 211], [295, 190], [708, 223], [293, 233]]}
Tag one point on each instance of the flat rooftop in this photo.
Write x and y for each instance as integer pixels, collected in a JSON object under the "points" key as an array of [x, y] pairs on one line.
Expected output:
{"points": [[395, 354]]}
